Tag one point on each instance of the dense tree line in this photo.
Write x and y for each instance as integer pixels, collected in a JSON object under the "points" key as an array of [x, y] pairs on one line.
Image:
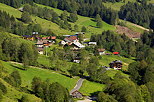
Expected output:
{"points": [[16, 3], [138, 13], [50, 92], [16, 49], [50, 15], [127, 47], [89, 8], [113, 1], [8, 23]]}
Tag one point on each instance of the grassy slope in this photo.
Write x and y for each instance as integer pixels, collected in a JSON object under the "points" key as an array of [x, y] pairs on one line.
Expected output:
{"points": [[92, 87], [55, 28], [106, 59], [116, 6], [13, 94], [85, 21], [28, 75]]}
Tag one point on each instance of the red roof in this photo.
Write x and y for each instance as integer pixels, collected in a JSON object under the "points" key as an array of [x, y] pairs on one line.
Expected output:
{"points": [[53, 37], [71, 38], [116, 53]]}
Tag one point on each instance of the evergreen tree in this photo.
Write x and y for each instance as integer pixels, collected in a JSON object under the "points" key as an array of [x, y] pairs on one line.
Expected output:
{"points": [[99, 24], [84, 29], [25, 17]]}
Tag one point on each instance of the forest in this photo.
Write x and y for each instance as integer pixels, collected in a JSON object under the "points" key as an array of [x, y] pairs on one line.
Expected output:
{"points": [[138, 13], [135, 84]]}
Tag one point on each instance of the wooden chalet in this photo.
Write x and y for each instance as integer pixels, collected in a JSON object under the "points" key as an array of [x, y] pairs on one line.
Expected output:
{"points": [[28, 37], [40, 50], [117, 65], [77, 94], [101, 51]]}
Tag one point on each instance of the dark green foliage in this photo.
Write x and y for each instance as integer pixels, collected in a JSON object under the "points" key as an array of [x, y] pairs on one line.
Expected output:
{"points": [[25, 17], [73, 17], [113, 1], [84, 29], [150, 86], [3, 88], [14, 79], [102, 97], [76, 28], [85, 8], [16, 49], [141, 14], [24, 98], [124, 89], [49, 92], [9, 24], [99, 24], [74, 71]]}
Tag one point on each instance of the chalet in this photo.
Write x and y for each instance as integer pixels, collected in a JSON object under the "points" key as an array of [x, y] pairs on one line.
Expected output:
{"points": [[116, 53], [51, 38], [77, 94], [72, 40], [117, 65], [40, 50], [39, 43], [28, 37], [92, 43], [101, 51], [77, 33], [76, 60]]}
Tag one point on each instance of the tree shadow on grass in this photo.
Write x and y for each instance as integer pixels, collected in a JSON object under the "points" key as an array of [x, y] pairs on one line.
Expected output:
{"points": [[15, 66]]}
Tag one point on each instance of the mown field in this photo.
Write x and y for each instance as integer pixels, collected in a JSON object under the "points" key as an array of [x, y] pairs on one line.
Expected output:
{"points": [[13, 94], [106, 59], [117, 5], [27, 76], [82, 21]]}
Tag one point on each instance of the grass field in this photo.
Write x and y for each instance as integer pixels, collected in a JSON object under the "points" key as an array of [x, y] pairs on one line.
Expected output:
{"points": [[82, 21], [27, 76], [106, 59], [92, 87], [86, 21], [116, 6], [13, 94]]}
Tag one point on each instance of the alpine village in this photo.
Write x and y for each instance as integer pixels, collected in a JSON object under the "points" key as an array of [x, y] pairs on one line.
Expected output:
{"points": [[76, 50]]}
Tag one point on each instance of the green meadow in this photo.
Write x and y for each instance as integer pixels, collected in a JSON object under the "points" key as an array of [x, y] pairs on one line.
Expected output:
{"points": [[106, 59]]}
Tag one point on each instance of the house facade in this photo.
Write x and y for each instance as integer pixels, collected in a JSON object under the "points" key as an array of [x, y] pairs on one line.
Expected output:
{"points": [[101, 51], [117, 65]]}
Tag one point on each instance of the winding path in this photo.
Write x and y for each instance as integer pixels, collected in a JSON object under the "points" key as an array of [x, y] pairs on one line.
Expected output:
{"points": [[77, 86]]}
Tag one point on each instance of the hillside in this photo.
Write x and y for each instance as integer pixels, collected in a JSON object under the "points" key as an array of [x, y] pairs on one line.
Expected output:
{"points": [[82, 21]]}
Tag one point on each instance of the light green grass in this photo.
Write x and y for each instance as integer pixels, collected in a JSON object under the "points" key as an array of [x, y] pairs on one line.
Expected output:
{"points": [[44, 74], [106, 59], [90, 87], [117, 5], [87, 22], [13, 94]]}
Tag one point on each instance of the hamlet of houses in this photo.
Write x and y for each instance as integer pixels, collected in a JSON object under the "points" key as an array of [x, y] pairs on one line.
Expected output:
{"points": [[73, 41]]}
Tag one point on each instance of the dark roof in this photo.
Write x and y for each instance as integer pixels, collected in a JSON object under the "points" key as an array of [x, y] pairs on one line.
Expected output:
{"points": [[40, 49], [39, 42], [27, 36], [116, 61], [71, 38], [100, 50]]}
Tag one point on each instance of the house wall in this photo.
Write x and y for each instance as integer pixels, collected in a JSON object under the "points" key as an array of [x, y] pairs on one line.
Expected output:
{"points": [[40, 52]]}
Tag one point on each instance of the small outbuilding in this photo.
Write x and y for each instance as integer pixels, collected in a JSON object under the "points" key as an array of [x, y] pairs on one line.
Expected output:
{"points": [[77, 94], [117, 65]]}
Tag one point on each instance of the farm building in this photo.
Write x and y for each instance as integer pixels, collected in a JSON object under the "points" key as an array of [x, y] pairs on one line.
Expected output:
{"points": [[117, 65], [101, 51], [77, 94]]}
